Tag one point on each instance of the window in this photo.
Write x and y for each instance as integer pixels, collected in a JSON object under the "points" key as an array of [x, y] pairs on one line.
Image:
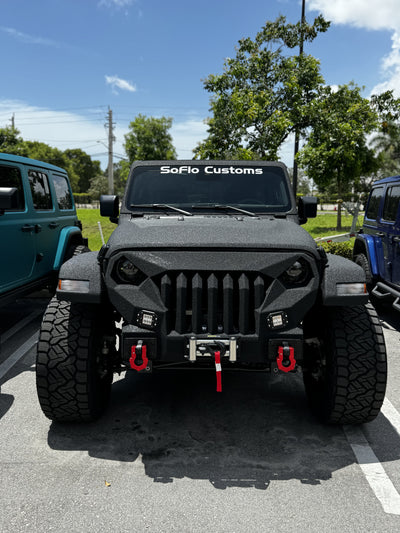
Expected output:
{"points": [[41, 196], [391, 203], [11, 177], [63, 193], [262, 190], [373, 203]]}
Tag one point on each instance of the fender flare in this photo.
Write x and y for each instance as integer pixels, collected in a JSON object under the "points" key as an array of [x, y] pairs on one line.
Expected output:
{"points": [[66, 236], [340, 270], [86, 268]]}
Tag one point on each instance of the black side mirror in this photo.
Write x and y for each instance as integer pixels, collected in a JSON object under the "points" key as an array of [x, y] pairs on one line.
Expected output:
{"points": [[307, 208], [109, 207], [8, 199]]}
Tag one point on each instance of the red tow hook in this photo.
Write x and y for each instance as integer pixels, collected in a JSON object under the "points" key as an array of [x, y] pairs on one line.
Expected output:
{"points": [[285, 360], [218, 370], [139, 351]]}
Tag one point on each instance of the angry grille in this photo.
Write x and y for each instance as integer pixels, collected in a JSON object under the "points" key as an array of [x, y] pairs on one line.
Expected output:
{"points": [[212, 302]]}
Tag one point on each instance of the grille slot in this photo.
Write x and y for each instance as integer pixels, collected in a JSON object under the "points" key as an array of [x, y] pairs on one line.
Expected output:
{"points": [[212, 302]]}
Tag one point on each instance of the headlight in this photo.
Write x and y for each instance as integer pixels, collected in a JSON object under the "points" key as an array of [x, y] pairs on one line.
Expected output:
{"points": [[297, 273], [127, 272]]}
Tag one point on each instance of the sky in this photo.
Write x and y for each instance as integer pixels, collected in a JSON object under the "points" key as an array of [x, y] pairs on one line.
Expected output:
{"points": [[65, 63]]}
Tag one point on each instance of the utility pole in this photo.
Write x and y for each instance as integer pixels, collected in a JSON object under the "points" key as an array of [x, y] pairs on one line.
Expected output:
{"points": [[13, 121], [297, 133], [111, 140]]}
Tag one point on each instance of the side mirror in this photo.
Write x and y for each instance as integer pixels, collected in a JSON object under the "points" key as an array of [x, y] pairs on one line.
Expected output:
{"points": [[8, 199], [307, 208], [109, 207]]}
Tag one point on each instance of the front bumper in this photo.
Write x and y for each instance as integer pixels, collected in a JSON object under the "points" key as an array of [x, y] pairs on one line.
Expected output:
{"points": [[240, 302]]}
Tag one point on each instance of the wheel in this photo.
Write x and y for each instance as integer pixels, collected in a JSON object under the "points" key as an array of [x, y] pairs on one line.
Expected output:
{"points": [[362, 260], [74, 361], [345, 366], [76, 249]]}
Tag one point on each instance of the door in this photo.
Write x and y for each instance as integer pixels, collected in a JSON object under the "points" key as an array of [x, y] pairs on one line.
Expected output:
{"points": [[17, 236], [46, 222], [390, 224], [372, 227]]}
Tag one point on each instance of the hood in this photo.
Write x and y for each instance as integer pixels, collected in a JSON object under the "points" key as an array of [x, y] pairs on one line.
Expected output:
{"points": [[210, 232]]}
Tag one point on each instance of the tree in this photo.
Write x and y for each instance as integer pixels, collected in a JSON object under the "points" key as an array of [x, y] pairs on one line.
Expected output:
{"points": [[82, 167], [387, 140], [98, 186], [149, 139], [264, 94], [121, 172], [337, 150], [10, 141]]}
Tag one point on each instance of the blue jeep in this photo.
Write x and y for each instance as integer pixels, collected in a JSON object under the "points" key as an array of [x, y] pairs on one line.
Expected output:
{"points": [[377, 246], [39, 228]]}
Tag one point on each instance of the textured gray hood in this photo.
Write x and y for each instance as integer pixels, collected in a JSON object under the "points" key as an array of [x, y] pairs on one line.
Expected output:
{"points": [[210, 232]]}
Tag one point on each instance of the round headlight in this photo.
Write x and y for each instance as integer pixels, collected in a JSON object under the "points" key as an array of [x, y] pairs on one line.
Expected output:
{"points": [[127, 271], [297, 273]]}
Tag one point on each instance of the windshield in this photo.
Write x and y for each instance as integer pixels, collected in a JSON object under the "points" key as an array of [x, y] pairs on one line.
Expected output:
{"points": [[256, 189]]}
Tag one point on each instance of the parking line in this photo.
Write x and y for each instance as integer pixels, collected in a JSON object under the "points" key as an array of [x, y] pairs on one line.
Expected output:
{"points": [[374, 472], [391, 414], [20, 325], [18, 354]]}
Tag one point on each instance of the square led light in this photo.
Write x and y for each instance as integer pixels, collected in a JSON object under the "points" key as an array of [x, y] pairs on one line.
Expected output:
{"points": [[277, 320], [147, 319]]}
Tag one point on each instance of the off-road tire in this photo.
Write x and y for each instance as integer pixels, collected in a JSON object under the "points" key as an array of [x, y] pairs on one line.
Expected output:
{"points": [[76, 249], [362, 260], [345, 371], [73, 375]]}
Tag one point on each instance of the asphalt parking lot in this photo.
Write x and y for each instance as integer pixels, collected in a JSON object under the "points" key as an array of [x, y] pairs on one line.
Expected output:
{"points": [[172, 455]]}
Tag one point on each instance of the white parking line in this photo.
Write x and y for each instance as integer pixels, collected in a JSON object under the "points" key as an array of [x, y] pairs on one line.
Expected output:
{"points": [[391, 414], [373, 470], [18, 354]]}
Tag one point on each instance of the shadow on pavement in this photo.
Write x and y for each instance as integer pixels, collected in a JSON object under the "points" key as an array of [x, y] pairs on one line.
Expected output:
{"points": [[257, 430]]}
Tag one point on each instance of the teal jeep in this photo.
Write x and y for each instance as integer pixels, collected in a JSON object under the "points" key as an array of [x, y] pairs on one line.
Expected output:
{"points": [[39, 228]]}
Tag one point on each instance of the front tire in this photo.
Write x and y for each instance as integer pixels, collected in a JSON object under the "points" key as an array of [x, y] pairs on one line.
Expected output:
{"points": [[362, 261], [74, 361], [345, 370]]}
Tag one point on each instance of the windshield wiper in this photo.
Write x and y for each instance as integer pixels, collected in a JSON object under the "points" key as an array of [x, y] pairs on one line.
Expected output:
{"points": [[222, 206], [163, 206]]}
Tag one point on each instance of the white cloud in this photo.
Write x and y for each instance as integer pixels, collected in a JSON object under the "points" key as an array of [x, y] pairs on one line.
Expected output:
{"points": [[391, 69], [63, 129], [29, 39], [119, 83], [371, 15], [186, 135], [119, 4]]}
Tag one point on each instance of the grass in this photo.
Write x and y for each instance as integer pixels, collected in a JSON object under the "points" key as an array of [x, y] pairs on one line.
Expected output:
{"points": [[322, 226], [325, 224], [90, 219]]}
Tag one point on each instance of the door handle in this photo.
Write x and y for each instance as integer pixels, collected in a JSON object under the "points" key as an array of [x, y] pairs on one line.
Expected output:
{"points": [[53, 225], [380, 234], [28, 228], [396, 239], [38, 228]]}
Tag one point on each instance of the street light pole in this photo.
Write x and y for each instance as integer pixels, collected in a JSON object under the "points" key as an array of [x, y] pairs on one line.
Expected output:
{"points": [[297, 133], [110, 152]]}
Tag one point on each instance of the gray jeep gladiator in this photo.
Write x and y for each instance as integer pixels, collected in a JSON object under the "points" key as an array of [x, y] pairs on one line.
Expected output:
{"points": [[210, 267]]}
